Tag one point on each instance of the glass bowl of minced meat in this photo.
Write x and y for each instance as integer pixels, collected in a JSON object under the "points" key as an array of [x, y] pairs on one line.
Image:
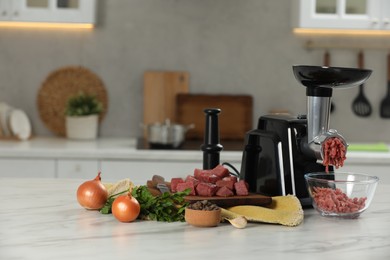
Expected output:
{"points": [[341, 194]]}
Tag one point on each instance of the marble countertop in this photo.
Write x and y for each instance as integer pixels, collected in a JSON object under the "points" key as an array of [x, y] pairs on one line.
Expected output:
{"points": [[41, 219], [126, 149]]}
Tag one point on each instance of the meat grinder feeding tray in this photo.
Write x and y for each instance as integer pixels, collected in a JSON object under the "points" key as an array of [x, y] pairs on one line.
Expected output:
{"points": [[330, 77]]}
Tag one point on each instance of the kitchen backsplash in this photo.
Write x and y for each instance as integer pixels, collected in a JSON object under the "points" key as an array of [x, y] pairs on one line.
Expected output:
{"points": [[227, 46]]}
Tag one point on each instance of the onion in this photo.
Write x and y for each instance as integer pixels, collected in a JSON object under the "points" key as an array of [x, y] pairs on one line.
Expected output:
{"points": [[92, 194], [125, 208]]}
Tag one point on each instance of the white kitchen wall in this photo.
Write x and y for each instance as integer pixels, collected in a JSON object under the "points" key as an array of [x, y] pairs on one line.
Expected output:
{"points": [[228, 46]]}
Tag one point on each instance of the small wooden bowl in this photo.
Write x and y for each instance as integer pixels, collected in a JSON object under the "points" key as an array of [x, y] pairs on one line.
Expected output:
{"points": [[203, 218]]}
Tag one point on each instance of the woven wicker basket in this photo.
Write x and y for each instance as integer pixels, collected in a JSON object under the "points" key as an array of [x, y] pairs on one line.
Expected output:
{"points": [[59, 86]]}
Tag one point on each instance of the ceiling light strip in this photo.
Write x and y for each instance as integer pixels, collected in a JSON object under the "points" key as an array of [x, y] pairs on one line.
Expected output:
{"points": [[340, 32], [46, 25]]}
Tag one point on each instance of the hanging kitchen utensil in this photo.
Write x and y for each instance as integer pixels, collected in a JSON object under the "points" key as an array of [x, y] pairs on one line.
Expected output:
{"points": [[385, 104], [327, 64], [361, 106]]}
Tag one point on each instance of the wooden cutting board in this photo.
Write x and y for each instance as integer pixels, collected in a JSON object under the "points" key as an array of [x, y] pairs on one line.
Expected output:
{"points": [[251, 199], [234, 120], [160, 90]]}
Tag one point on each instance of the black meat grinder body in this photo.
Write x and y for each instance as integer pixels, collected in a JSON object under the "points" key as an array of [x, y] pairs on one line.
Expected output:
{"points": [[273, 163], [284, 148]]}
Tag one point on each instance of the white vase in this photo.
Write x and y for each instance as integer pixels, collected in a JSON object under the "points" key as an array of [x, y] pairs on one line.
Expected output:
{"points": [[82, 127]]}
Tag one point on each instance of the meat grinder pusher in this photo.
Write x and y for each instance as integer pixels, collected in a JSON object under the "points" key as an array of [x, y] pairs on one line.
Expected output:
{"points": [[284, 148]]}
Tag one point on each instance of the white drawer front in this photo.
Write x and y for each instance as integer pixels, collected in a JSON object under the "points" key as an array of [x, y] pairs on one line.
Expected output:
{"points": [[27, 168], [78, 169]]}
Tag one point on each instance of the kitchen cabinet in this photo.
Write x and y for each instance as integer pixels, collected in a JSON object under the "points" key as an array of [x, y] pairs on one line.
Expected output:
{"points": [[27, 168], [80, 168], [342, 14], [48, 168], [49, 11], [118, 158]]}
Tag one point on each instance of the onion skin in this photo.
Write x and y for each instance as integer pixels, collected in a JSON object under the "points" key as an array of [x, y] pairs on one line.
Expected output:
{"points": [[126, 208], [92, 194]]}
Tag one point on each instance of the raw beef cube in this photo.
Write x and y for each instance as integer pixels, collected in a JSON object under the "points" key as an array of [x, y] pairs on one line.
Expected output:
{"points": [[174, 182], [206, 189], [230, 178], [225, 183], [198, 173], [206, 176], [241, 188], [212, 178], [220, 171], [192, 179], [186, 185], [224, 192]]}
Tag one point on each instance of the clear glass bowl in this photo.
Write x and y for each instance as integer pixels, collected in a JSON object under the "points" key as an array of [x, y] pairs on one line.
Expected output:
{"points": [[341, 194]]}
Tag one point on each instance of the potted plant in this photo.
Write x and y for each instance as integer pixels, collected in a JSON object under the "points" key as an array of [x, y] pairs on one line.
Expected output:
{"points": [[82, 116]]}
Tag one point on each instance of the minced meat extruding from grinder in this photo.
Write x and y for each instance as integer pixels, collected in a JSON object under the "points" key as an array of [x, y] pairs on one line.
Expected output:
{"points": [[334, 153]]}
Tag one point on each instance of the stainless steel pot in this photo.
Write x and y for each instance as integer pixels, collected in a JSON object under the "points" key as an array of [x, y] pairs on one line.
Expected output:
{"points": [[166, 135]]}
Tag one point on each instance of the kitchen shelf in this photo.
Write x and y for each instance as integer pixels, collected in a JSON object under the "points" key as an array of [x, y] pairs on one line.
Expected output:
{"points": [[351, 45]]}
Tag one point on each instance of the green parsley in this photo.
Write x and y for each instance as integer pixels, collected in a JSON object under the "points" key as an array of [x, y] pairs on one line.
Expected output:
{"points": [[167, 207]]}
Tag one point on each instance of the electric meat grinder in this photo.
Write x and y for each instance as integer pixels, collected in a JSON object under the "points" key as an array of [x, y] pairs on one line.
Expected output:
{"points": [[284, 148]]}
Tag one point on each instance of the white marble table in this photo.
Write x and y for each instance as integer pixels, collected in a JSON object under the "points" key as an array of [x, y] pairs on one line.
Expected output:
{"points": [[41, 219]]}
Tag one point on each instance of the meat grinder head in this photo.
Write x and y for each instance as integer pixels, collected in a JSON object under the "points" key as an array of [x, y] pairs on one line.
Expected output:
{"points": [[320, 82]]}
